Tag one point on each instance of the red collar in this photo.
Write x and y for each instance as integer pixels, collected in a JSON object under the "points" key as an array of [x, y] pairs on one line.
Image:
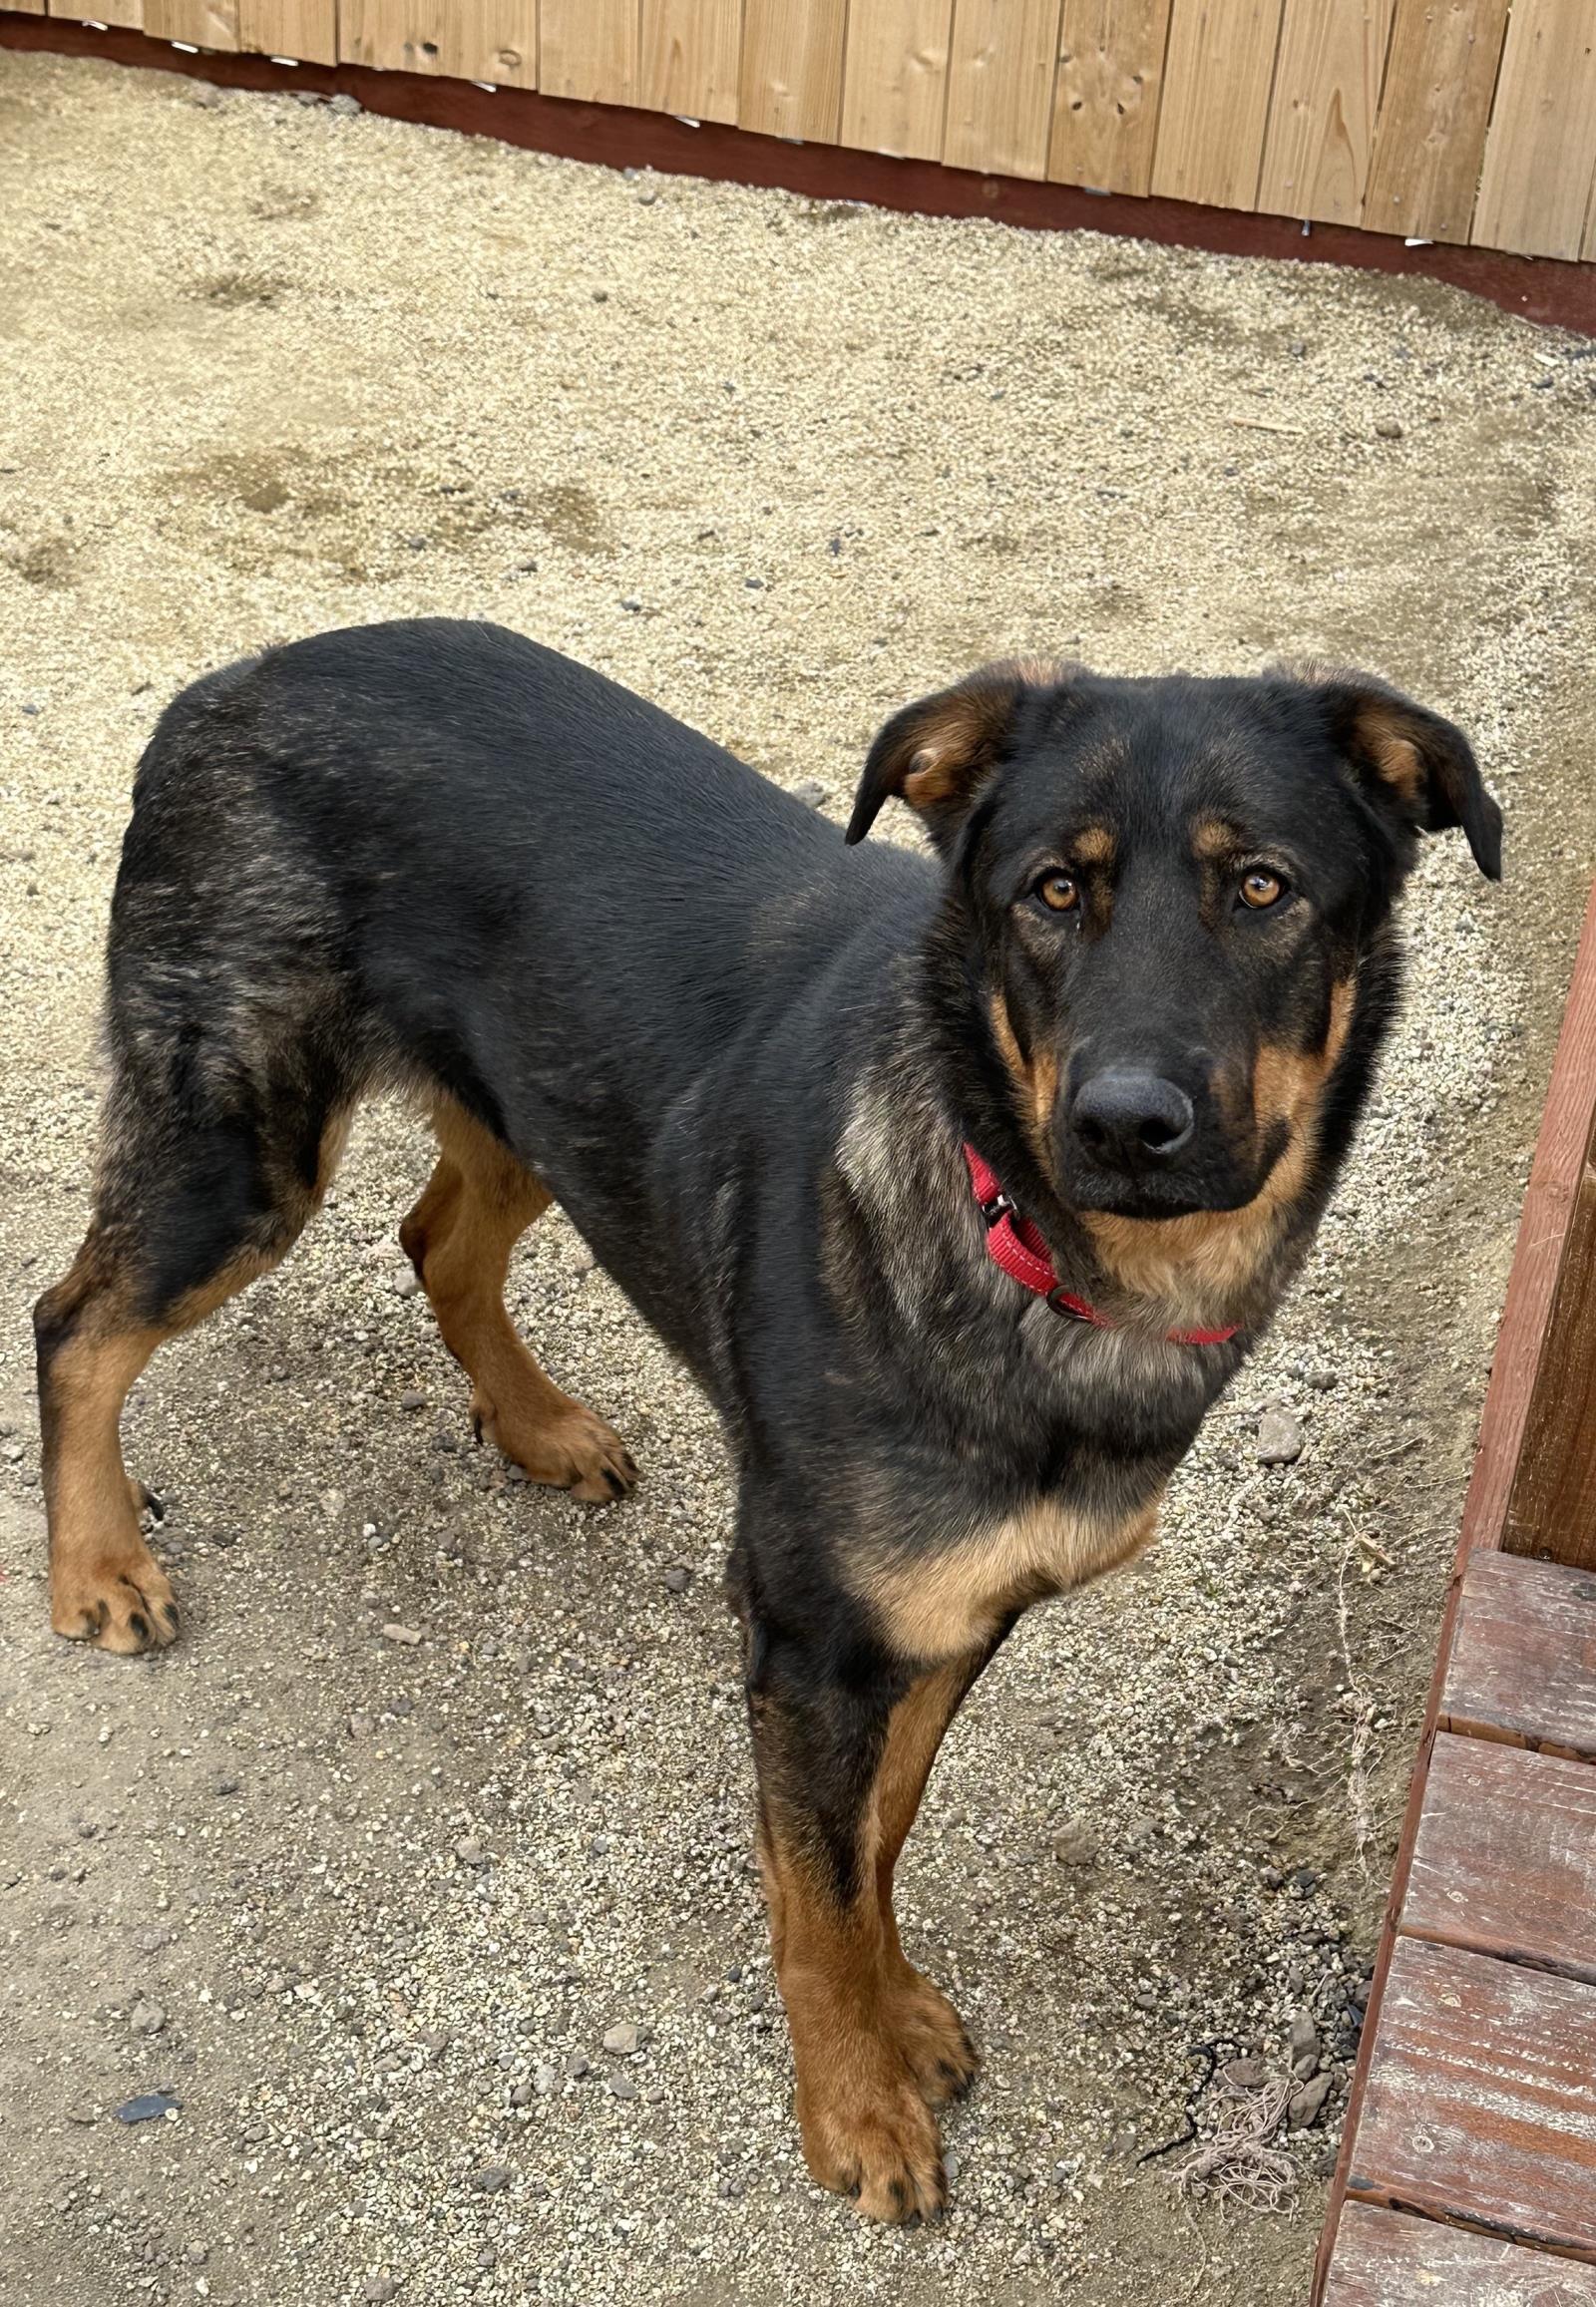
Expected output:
{"points": [[1014, 1242]]}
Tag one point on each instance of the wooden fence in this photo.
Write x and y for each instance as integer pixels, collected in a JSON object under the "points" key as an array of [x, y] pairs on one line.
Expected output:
{"points": [[1469, 120]]}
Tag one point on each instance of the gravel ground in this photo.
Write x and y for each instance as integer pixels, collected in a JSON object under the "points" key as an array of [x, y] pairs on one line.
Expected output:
{"points": [[447, 1781]]}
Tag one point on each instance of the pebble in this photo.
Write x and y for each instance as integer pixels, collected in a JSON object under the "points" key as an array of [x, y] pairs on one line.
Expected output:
{"points": [[346, 107], [146, 2106], [622, 2087], [1246, 2074], [491, 2179], [146, 2019], [408, 1634], [1304, 2044], [622, 2040], [412, 1398], [1076, 1846], [1389, 429], [811, 791], [1305, 2107], [1280, 1438], [470, 1852], [678, 1578], [378, 2288]]}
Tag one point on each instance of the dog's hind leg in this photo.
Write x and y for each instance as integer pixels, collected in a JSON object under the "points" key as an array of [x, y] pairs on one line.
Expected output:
{"points": [[459, 1237], [191, 1206]]}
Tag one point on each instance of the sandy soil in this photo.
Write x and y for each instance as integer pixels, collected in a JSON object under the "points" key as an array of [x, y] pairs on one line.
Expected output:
{"points": [[367, 1908]]}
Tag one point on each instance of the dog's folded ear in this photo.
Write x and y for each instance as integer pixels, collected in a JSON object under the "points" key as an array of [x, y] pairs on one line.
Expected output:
{"points": [[1407, 758], [938, 754]]}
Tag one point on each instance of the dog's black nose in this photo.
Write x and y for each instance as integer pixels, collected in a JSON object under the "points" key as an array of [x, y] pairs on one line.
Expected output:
{"points": [[1132, 1121]]}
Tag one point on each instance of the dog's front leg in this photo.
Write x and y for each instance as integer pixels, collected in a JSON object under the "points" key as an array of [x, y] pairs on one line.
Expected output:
{"points": [[842, 1764]]}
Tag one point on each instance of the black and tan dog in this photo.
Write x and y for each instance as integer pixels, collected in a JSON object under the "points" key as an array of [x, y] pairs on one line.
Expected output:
{"points": [[775, 1081]]}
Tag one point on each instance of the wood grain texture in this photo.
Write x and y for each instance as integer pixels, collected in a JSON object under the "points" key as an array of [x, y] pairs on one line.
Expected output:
{"points": [[1386, 2259], [36, 8], [1541, 154], [126, 13], [1554, 1179], [895, 76], [1482, 2097], [492, 40], [1217, 79], [1001, 85], [790, 84], [1107, 93], [589, 50], [1506, 1861], [305, 29], [1551, 1508], [1322, 115], [1431, 136], [1522, 1666], [204, 23], [689, 52]]}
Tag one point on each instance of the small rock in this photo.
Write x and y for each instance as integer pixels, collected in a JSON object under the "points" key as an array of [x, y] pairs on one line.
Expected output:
{"points": [[678, 1578], [1389, 429], [492, 2179], [811, 791], [146, 2019], [1304, 2046], [576, 2065], [224, 1784], [1076, 1846], [346, 107], [622, 2040], [622, 2087], [520, 2094], [1280, 1438], [146, 2106], [1305, 2107], [378, 2288], [412, 1398], [1271, 1877], [406, 1286], [1246, 2074], [470, 1852], [583, 1260], [410, 1636]]}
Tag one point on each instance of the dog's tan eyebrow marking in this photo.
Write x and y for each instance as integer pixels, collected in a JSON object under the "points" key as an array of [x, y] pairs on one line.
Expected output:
{"points": [[1212, 838], [1092, 845]]}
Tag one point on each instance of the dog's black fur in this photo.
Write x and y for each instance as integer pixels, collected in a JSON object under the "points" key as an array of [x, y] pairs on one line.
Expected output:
{"points": [[743, 1057]]}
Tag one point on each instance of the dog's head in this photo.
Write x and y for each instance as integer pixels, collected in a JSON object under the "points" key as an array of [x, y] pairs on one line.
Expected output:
{"points": [[1175, 884]]}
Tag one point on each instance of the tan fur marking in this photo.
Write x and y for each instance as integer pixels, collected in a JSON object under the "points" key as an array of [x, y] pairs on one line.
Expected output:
{"points": [[944, 1605], [1212, 840], [1396, 758], [1036, 1082], [1093, 845], [478, 1203], [876, 2046], [1201, 1264]]}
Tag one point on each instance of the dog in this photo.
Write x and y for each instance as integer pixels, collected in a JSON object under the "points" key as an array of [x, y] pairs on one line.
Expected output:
{"points": [[963, 1183]]}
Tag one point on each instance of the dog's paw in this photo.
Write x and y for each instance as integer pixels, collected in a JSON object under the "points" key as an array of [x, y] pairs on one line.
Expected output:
{"points": [[932, 2037], [871, 2137], [120, 1602], [571, 1449]]}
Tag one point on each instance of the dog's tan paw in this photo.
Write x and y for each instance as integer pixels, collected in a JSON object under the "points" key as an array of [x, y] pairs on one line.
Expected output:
{"points": [[120, 1602], [872, 2137], [932, 2037], [569, 1450]]}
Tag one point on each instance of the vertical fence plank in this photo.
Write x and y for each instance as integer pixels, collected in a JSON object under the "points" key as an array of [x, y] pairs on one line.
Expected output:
{"points": [[1430, 134], [128, 14], [1322, 118], [307, 29], [1534, 188], [895, 76], [690, 57], [494, 40], [589, 49], [1217, 79], [1110, 83], [791, 78], [1000, 85], [204, 23]]}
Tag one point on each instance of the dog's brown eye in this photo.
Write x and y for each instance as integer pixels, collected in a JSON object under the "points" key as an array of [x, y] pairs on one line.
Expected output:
{"points": [[1260, 888], [1059, 892]]}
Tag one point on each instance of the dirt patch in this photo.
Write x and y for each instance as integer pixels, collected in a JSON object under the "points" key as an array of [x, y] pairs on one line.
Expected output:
{"points": [[366, 1908]]}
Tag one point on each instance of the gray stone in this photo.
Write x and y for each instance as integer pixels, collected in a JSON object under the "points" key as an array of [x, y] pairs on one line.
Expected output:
{"points": [[678, 1578], [491, 2179], [1306, 2105], [1245, 2073], [146, 2019], [1304, 2044], [1280, 1438], [1077, 1844], [622, 2040], [346, 107]]}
